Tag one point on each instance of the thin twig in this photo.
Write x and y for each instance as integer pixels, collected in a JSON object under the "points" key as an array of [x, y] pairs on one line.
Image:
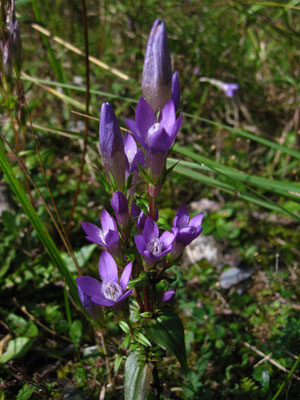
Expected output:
{"points": [[23, 309], [99, 332], [87, 104], [275, 363]]}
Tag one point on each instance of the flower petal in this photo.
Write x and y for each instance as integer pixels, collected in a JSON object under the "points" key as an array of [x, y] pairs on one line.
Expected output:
{"points": [[139, 158], [197, 220], [90, 286], [160, 141], [126, 276], [111, 238], [93, 233], [108, 268], [175, 128], [181, 219], [188, 234], [139, 136], [107, 221], [175, 90], [168, 116], [150, 230], [140, 244], [144, 116], [123, 297], [129, 147], [167, 238], [102, 301]]}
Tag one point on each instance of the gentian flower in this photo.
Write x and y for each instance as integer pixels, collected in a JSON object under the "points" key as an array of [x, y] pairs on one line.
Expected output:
{"points": [[119, 204], [133, 158], [112, 290], [150, 245], [187, 230], [157, 72], [228, 88], [155, 137], [112, 146], [167, 296], [140, 222], [107, 236]]}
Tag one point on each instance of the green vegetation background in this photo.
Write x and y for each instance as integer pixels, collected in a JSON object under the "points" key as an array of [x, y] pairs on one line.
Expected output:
{"points": [[255, 44]]}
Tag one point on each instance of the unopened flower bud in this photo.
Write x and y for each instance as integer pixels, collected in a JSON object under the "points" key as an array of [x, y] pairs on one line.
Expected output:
{"points": [[112, 145], [157, 72], [119, 204]]}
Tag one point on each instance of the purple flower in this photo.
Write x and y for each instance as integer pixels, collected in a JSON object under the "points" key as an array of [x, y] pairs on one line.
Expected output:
{"points": [[168, 295], [229, 88], [112, 146], [107, 236], [150, 245], [133, 158], [155, 137], [112, 290], [119, 204], [140, 215], [175, 90], [187, 230], [157, 72]]}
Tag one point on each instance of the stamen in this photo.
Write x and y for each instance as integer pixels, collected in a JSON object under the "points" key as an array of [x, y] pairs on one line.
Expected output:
{"points": [[155, 246], [111, 290]]}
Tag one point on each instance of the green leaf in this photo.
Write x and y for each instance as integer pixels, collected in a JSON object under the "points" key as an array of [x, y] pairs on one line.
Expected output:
{"points": [[141, 280], [25, 392], [76, 329], [22, 327], [137, 378], [118, 362], [124, 326], [82, 256], [167, 332], [16, 348], [143, 339]]}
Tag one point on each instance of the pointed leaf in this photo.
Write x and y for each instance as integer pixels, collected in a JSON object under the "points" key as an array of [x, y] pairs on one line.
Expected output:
{"points": [[167, 332], [137, 378]]}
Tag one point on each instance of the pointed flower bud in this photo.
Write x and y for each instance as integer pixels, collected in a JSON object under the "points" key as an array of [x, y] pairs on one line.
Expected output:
{"points": [[119, 204], [157, 72], [112, 146]]}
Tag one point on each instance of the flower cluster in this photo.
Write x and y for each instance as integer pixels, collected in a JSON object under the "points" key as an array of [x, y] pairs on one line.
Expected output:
{"points": [[130, 234]]}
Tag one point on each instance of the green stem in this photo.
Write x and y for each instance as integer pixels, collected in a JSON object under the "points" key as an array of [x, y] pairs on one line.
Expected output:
{"points": [[287, 378]]}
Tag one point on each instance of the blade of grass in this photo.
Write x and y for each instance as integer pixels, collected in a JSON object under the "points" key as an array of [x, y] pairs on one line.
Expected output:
{"points": [[236, 175], [77, 88], [63, 97], [231, 189], [59, 231], [38, 225], [247, 135], [287, 378], [240, 132], [54, 62]]}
